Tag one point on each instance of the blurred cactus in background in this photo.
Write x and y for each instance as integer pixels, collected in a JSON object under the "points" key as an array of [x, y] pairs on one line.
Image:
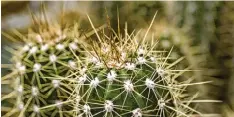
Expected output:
{"points": [[223, 51], [138, 13], [198, 20]]}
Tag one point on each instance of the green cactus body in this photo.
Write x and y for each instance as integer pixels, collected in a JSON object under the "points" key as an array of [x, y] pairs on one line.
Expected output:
{"points": [[39, 64], [124, 76], [48, 54]]}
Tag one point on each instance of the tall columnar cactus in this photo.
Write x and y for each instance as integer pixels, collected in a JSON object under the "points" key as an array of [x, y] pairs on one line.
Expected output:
{"points": [[116, 75]]}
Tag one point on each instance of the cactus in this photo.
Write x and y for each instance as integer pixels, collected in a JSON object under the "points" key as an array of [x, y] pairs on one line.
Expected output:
{"points": [[124, 76], [192, 17], [115, 75], [223, 51], [48, 53]]}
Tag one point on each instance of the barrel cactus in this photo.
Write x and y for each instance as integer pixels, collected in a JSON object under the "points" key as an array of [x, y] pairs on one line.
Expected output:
{"points": [[48, 52], [126, 76]]}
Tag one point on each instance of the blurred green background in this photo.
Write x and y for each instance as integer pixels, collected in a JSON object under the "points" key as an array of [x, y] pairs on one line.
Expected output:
{"points": [[208, 26]]}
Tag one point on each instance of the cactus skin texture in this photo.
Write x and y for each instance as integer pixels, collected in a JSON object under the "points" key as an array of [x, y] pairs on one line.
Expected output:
{"points": [[115, 76]]}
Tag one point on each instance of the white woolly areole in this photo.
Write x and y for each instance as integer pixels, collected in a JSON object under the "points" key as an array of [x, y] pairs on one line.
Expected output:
{"points": [[153, 59], [149, 83], [36, 109], [36, 67], [33, 50], [137, 113], [18, 64], [20, 106], [94, 83], [86, 109], [83, 70], [58, 103], [25, 48], [140, 51], [141, 60], [82, 79], [21, 68], [53, 58], [109, 106], [20, 89], [55, 83], [44, 47], [160, 71], [35, 91], [60, 46], [130, 66], [99, 64], [38, 38], [111, 75], [72, 64], [161, 103], [94, 60], [73, 46], [128, 86]]}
